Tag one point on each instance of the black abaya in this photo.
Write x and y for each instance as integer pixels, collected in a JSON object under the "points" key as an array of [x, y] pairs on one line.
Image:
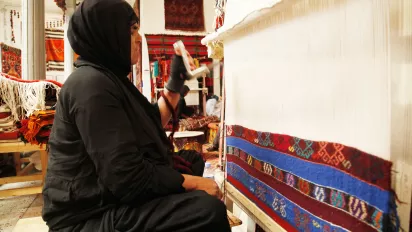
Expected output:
{"points": [[109, 165]]}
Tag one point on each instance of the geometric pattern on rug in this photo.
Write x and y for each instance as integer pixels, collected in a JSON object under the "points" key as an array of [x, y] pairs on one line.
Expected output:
{"points": [[309, 185], [161, 45], [184, 15], [10, 60]]}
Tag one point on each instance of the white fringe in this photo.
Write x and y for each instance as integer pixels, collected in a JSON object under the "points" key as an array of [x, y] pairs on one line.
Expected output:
{"points": [[24, 98]]}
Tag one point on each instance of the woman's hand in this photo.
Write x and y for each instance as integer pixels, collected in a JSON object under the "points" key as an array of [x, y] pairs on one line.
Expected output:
{"points": [[178, 72], [192, 183]]}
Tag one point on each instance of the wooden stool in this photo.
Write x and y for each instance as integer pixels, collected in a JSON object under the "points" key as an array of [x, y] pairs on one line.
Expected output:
{"points": [[22, 176]]}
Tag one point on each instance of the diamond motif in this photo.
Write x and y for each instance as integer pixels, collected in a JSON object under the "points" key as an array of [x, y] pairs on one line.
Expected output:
{"points": [[306, 151]]}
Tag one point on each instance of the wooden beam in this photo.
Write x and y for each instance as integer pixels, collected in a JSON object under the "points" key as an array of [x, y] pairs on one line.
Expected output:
{"points": [[26, 169], [44, 156], [250, 208], [25, 160], [19, 147], [21, 191], [16, 179], [17, 162]]}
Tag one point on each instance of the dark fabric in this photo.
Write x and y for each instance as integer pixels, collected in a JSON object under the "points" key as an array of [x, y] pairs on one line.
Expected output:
{"points": [[195, 159], [216, 140], [194, 211], [183, 109], [107, 147], [178, 75], [99, 31]]}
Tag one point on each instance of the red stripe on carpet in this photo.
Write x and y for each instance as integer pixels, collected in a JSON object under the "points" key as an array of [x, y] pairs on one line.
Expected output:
{"points": [[361, 165], [4, 115], [317, 208]]}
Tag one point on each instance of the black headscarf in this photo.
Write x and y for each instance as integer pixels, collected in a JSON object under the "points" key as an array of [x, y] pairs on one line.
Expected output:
{"points": [[99, 32]]}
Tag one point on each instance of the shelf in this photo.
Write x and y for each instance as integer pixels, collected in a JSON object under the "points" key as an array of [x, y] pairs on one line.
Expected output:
{"points": [[21, 191], [19, 147], [22, 176]]}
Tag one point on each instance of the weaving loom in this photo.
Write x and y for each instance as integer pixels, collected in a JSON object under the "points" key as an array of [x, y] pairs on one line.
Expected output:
{"points": [[313, 99]]}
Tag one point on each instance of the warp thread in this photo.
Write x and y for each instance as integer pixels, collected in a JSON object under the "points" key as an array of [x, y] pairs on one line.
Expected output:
{"points": [[25, 97]]}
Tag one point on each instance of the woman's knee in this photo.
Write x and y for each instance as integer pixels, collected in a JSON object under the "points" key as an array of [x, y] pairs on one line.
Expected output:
{"points": [[213, 207]]}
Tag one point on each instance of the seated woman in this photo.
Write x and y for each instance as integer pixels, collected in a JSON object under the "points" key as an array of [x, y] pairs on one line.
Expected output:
{"points": [[110, 164]]}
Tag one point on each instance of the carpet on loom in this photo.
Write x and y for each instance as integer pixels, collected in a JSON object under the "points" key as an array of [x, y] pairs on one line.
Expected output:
{"points": [[10, 60], [184, 15], [311, 185]]}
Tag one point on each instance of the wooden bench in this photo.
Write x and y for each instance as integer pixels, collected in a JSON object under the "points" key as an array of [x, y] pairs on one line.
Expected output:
{"points": [[16, 149]]}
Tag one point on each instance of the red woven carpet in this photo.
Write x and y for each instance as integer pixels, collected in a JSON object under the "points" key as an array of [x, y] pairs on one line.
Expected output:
{"points": [[184, 15], [10, 60]]}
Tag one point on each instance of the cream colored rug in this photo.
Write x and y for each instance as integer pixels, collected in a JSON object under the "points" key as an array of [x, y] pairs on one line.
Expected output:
{"points": [[35, 224], [12, 209]]}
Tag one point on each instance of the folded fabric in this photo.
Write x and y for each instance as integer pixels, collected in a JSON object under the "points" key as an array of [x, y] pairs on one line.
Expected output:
{"points": [[4, 109], [191, 124], [31, 128], [5, 119], [6, 124], [4, 115], [10, 135]]}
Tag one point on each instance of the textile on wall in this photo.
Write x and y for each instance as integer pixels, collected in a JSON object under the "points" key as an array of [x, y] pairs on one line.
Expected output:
{"points": [[309, 185], [184, 15], [54, 50], [162, 45], [10, 60]]}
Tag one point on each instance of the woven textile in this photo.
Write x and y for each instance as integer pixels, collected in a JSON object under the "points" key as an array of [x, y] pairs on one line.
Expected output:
{"points": [[162, 45], [10, 60], [184, 15], [36, 129], [192, 124], [309, 185], [54, 50]]}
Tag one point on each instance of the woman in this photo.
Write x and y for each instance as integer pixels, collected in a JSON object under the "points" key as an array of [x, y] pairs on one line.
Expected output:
{"points": [[110, 168]]}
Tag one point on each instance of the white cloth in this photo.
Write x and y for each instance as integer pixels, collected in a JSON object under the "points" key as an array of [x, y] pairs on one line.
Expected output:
{"points": [[213, 107]]}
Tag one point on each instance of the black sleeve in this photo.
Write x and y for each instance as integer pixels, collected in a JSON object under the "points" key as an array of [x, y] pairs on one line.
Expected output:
{"points": [[111, 143]]}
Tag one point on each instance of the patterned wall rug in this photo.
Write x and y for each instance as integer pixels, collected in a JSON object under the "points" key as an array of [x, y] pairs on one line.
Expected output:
{"points": [[54, 50], [184, 15], [10, 60], [309, 185]]}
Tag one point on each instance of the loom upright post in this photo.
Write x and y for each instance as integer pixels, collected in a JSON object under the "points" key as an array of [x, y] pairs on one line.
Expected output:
{"points": [[68, 51]]}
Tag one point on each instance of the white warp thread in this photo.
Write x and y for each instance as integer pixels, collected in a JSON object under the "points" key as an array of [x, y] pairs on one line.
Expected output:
{"points": [[24, 98]]}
